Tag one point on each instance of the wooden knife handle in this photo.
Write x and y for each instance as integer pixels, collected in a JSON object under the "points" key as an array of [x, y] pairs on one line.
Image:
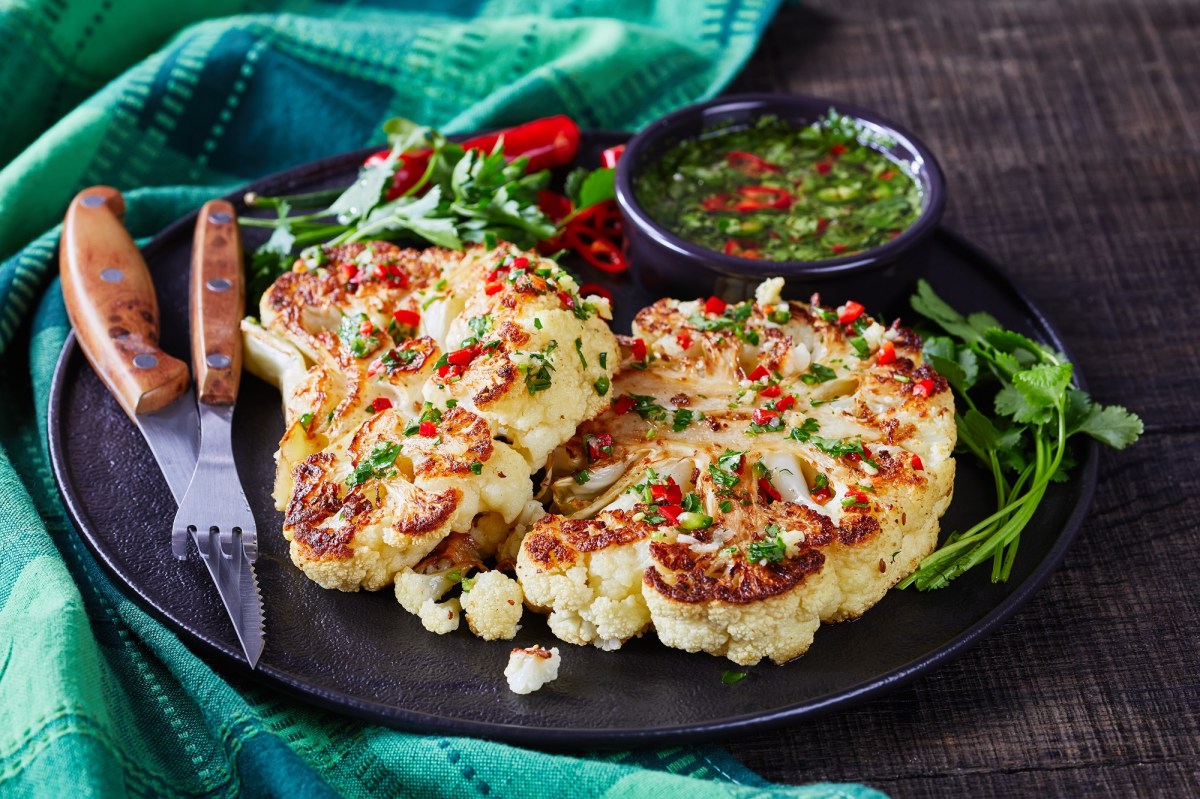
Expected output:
{"points": [[112, 306], [218, 303]]}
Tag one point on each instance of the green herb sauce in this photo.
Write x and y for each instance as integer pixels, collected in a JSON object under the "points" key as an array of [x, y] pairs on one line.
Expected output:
{"points": [[774, 191]]}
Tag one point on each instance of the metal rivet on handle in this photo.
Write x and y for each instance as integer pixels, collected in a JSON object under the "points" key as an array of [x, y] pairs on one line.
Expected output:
{"points": [[112, 275], [219, 284], [145, 361], [220, 217], [92, 200], [218, 361]]}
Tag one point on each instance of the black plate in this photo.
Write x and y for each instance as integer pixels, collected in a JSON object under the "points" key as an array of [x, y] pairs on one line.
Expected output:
{"points": [[363, 655]]}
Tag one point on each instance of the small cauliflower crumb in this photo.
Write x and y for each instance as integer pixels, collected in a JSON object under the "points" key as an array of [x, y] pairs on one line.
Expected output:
{"points": [[493, 606], [529, 669]]}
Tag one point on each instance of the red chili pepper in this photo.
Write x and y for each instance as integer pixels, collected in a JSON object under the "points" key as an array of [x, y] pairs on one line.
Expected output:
{"points": [[350, 271], [822, 495], [407, 318], [838, 248], [749, 163], [381, 404], [766, 489], [684, 340], [449, 370], [759, 373], [757, 198], [823, 168], [464, 356], [763, 416], [365, 328], [638, 349], [837, 149], [428, 429], [741, 463], [597, 445], [597, 250], [916, 463], [886, 354], [566, 299], [670, 513], [554, 205], [520, 262], [668, 492], [850, 312], [715, 306], [922, 388], [785, 404], [853, 457], [597, 289], [623, 405], [493, 288], [741, 250], [611, 156], [822, 224], [771, 391], [866, 452], [887, 175], [547, 143], [718, 202]]}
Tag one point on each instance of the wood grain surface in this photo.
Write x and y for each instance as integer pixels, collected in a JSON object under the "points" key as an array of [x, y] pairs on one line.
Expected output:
{"points": [[1069, 131]]}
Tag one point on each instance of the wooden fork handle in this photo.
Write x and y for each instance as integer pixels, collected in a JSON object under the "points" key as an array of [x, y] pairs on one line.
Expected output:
{"points": [[218, 300], [111, 302]]}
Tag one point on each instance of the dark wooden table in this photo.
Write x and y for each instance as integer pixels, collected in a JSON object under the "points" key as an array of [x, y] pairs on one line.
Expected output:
{"points": [[1070, 134]]}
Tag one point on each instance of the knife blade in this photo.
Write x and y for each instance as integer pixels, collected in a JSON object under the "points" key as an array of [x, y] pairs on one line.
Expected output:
{"points": [[112, 306], [215, 511]]}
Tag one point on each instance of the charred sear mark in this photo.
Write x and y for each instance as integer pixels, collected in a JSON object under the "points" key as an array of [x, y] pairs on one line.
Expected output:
{"points": [[692, 580]]}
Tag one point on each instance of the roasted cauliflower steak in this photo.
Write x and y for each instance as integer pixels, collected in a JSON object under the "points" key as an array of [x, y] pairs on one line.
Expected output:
{"points": [[765, 467], [422, 389]]}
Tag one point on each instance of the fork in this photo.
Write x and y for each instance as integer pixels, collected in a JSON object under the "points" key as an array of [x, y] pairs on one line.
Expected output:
{"points": [[214, 511]]}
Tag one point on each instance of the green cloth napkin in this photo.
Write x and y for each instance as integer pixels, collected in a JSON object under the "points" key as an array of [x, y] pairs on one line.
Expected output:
{"points": [[175, 102]]}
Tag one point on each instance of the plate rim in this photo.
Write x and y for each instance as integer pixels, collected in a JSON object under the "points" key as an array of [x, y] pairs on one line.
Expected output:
{"points": [[560, 738]]}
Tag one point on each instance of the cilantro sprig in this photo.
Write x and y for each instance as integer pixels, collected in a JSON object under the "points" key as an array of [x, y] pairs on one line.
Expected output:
{"points": [[1021, 410]]}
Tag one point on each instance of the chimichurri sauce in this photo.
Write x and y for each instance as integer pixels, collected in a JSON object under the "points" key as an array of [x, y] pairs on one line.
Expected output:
{"points": [[778, 192]]}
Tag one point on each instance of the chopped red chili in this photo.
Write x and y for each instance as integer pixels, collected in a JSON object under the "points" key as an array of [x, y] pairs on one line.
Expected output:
{"points": [[757, 198], [464, 356], [597, 289], [759, 373], [922, 388], [767, 490], [638, 348], [764, 416], [850, 312], [715, 306], [670, 513], [784, 404], [493, 288], [771, 391], [916, 463], [428, 429], [623, 405], [822, 495], [610, 157], [749, 163], [381, 404], [887, 353], [406, 317]]}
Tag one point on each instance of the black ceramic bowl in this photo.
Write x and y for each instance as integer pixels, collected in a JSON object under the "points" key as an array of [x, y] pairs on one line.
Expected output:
{"points": [[666, 263]]}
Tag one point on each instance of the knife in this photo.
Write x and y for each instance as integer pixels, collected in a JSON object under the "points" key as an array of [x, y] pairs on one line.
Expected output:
{"points": [[215, 511], [110, 300]]}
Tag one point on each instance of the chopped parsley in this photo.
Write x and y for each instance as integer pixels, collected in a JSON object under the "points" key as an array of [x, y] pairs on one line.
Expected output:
{"points": [[537, 323], [771, 549], [724, 471], [539, 379], [428, 414], [602, 385], [480, 325], [683, 418], [379, 463], [726, 506], [579, 352], [476, 467], [350, 332], [604, 360], [306, 419], [805, 431], [582, 476], [647, 408], [817, 374]]}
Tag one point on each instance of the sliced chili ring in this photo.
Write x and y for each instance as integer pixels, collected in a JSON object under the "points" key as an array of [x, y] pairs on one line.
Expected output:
{"points": [[749, 163]]}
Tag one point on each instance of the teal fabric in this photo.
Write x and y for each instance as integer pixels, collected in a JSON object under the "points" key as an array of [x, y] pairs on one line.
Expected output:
{"points": [[177, 102]]}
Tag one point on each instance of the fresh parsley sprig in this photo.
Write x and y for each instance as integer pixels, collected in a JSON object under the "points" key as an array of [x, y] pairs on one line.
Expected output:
{"points": [[1018, 411]]}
